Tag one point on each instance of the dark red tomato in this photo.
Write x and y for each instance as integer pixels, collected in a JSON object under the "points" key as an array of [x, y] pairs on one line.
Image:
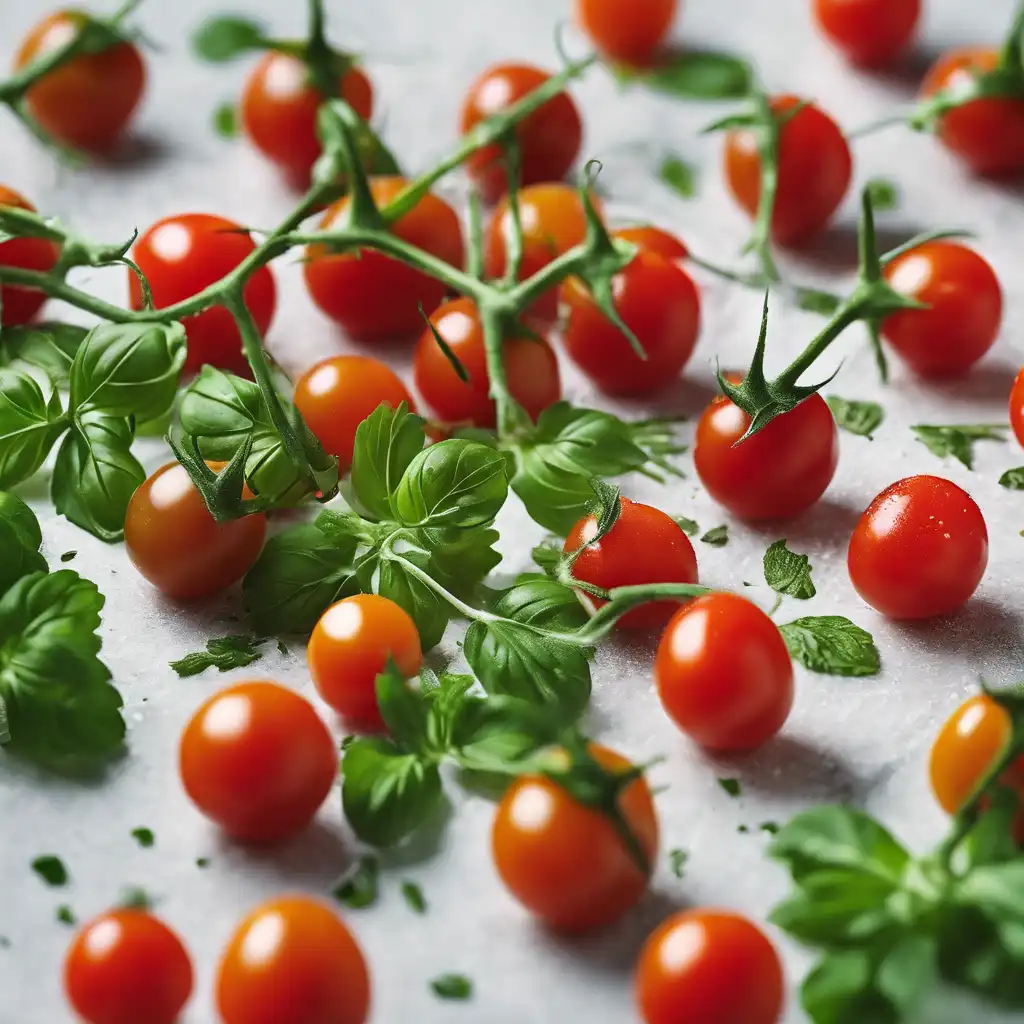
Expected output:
{"points": [[1017, 407], [779, 472], [125, 967], [709, 967], [965, 308], [178, 546], [181, 256], [920, 550], [644, 546], [987, 134], [653, 239], [549, 139], [531, 369], [868, 32], [626, 30], [724, 674], [566, 863], [371, 295], [659, 302], [257, 760], [293, 961], [87, 102], [815, 167], [19, 305]]}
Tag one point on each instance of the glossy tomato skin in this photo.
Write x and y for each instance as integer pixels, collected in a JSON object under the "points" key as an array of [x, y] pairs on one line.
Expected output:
{"points": [[920, 550], [127, 966], [350, 646], [654, 239], [644, 546], [987, 134], [965, 308], [531, 369], [181, 256], [549, 139], [309, 968], [1017, 407], [626, 30], [870, 33], [371, 295], [709, 967], [19, 305], [257, 760], [87, 102], [177, 545], [815, 167], [659, 302], [566, 863], [279, 108], [724, 674], [776, 474]]}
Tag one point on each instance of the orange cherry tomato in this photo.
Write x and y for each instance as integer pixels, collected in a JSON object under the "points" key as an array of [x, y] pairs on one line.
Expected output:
{"points": [[257, 760], [293, 961], [126, 967], [626, 30], [870, 33], [178, 546], [19, 305], [1017, 407], [87, 102], [656, 240], [565, 862]]}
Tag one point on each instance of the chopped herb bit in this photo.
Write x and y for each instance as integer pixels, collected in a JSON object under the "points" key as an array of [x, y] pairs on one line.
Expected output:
{"points": [[136, 898], [202, 862], [225, 121], [360, 888], [66, 915], [832, 644], [787, 572], [742, 829], [860, 418], [414, 897], [223, 653], [958, 441], [282, 647], [885, 194], [68, 556], [5, 943], [51, 870], [1013, 479], [771, 827], [677, 861], [547, 556], [452, 986], [731, 786], [144, 837], [679, 175], [717, 537], [347, 741], [688, 526]]}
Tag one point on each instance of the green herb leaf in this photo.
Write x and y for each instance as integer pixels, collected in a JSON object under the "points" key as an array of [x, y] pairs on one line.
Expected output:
{"points": [[679, 175], [49, 347], [69, 556], [832, 644], [414, 897], [458, 559], [29, 426], [814, 300], [202, 862], [20, 538], [677, 862], [957, 441], [65, 915], [224, 38], [225, 121], [717, 537], [499, 735], [223, 653], [731, 786], [452, 986], [860, 418], [1013, 479], [51, 870], [771, 827], [885, 194], [695, 75], [144, 837], [547, 556], [398, 583], [787, 572], [403, 709], [688, 526], [386, 443], [360, 887]]}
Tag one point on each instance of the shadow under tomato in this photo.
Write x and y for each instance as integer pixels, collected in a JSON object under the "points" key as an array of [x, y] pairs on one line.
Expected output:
{"points": [[907, 73], [137, 151], [685, 398], [836, 248], [990, 382], [827, 522]]}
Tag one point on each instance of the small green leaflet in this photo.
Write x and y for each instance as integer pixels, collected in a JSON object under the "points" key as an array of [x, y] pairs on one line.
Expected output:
{"points": [[68, 556], [547, 555], [832, 644], [144, 837], [717, 537], [679, 176], [814, 300], [688, 526], [860, 418], [694, 74], [1013, 479], [677, 861], [885, 194], [51, 870], [66, 915], [771, 827], [225, 121], [202, 862], [222, 39], [731, 786], [452, 986], [360, 888], [787, 572], [958, 441], [414, 897], [223, 653]]}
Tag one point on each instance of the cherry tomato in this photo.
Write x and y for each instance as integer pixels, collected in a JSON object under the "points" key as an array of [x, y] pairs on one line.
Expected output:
{"points": [[869, 32], [293, 961], [371, 295], [987, 134], [549, 139], [181, 256], [257, 760], [653, 239], [279, 108], [178, 546], [19, 305], [1017, 407], [644, 546], [87, 102], [659, 302], [814, 166], [724, 674], [127, 966], [350, 646], [779, 472], [626, 30], [919, 550], [965, 308], [531, 369], [565, 862], [709, 967]]}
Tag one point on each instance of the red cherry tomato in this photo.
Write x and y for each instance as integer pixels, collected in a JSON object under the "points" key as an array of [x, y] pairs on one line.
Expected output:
{"points": [[659, 302], [87, 102], [626, 30], [371, 295], [709, 967], [565, 862], [814, 165], [1017, 407], [549, 139], [779, 472], [644, 546], [125, 967], [919, 550], [965, 308], [177, 545], [257, 760], [19, 305], [656, 240], [181, 256], [869, 32], [531, 369], [293, 961], [351, 645], [987, 134], [279, 108], [724, 674]]}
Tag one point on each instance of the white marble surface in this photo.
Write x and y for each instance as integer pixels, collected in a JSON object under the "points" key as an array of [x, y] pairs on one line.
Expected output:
{"points": [[859, 740]]}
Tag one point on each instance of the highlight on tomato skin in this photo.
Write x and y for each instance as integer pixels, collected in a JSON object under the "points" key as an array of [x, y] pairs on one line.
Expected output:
{"points": [[654, 239], [626, 30], [869, 33], [20, 305]]}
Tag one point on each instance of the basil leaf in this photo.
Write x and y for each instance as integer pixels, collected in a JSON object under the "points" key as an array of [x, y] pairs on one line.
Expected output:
{"points": [[223, 653], [386, 443], [547, 556], [679, 176], [429, 611], [983, 954], [688, 526], [403, 709], [1013, 479], [20, 538], [860, 418], [957, 441], [787, 572], [49, 347], [29, 425], [695, 75], [221, 410], [222, 39], [360, 888], [841, 990], [460, 559], [498, 734], [225, 121], [542, 601], [832, 644], [836, 907], [21, 520], [717, 537], [884, 194]]}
